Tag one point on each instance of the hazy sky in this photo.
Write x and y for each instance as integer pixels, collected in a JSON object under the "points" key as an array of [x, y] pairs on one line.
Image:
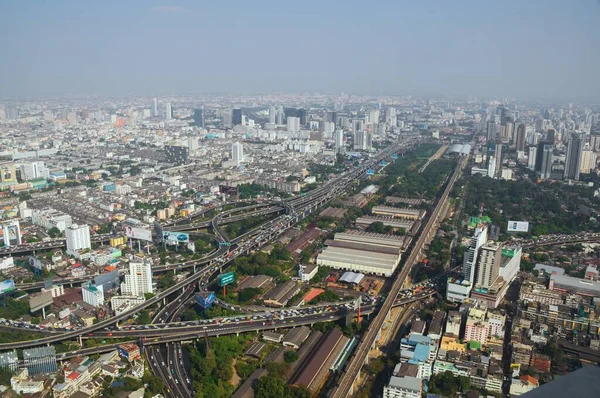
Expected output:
{"points": [[510, 48]]}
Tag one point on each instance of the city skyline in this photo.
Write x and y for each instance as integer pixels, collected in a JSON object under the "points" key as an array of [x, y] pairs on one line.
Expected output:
{"points": [[540, 50]]}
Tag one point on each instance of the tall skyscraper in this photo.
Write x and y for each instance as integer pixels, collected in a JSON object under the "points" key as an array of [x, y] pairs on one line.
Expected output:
{"points": [[280, 116], [532, 157], [491, 131], [390, 116], [272, 115], [155, 107], [498, 158], [363, 140], [478, 239], [78, 237], [546, 166], [293, 124], [237, 153], [521, 134], [574, 155], [236, 116], [588, 161], [199, 117], [168, 111], [488, 266], [139, 279], [331, 116], [339, 141]]}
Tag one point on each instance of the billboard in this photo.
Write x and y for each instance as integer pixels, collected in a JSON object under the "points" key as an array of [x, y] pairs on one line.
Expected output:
{"points": [[205, 299], [7, 286], [226, 279], [517, 226], [138, 233], [175, 237]]}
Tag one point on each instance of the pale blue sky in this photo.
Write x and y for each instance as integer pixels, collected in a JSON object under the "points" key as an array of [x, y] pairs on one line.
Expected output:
{"points": [[511, 48]]}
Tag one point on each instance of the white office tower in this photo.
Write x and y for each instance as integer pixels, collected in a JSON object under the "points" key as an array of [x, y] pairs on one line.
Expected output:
{"points": [[11, 233], [588, 161], [339, 141], [237, 153], [139, 280], [328, 129], [293, 124], [272, 115], [373, 116], [168, 111], [279, 117], [78, 237], [531, 158], [155, 107], [363, 140], [92, 294], [34, 170], [491, 171], [470, 258], [390, 116], [193, 144]]}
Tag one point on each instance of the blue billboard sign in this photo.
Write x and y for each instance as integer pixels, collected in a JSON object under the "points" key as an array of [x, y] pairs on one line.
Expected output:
{"points": [[204, 299], [383, 163], [395, 156], [176, 237], [371, 172], [7, 286]]}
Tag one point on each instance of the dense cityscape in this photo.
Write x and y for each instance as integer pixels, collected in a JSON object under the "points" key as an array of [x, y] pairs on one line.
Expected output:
{"points": [[291, 201]]}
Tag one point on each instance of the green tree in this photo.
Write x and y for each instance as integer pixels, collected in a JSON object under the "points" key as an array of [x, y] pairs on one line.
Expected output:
{"points": [[290, 356]]}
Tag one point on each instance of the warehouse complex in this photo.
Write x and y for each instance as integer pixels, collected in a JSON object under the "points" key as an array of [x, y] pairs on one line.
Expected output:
{"points": [[393, 222], [366, 253], [389, 211]]}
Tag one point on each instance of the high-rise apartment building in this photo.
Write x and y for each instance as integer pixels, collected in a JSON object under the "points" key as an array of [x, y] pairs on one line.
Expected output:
{"points": [[236, 116], [331, 117], [293, 124], [520, 139], [199, 117], [33, 170], [488, 266], [155, 107], [574, 156], [92, 294], [339, 142], [11, 233], [237, 153], [168, 111], [532, 157], [78, 237], [272, 115], [491, 131], [546, 166], [478, 239], [363, 140], [139, 279]]}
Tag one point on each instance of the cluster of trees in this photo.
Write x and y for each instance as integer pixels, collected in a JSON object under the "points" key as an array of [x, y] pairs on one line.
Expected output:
{"points": [[328, 296], [212, 369], [448, 385], [260, 263], [238, 228], [423, 185], [550, 208], [204, 244], [248, 191], [14, 309], [113, 388], [275, 386]]}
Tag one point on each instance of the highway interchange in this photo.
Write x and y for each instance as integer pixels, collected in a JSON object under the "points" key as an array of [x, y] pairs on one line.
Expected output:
{"points": [[295, 209]]}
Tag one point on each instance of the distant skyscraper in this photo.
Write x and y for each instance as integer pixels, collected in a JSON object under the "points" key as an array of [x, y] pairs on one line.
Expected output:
{"points": [[339, 141], [155, 107], [532, 157], [363, 140], [574, 155], [199, 117], [280, 116], [491, 131], [236, 116], [12, 113], [237, 153], [390, 116], [272, 115], [331, 116], [168, 111], [498, 158], [520, 141], [293, 124], [546, 167]]}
